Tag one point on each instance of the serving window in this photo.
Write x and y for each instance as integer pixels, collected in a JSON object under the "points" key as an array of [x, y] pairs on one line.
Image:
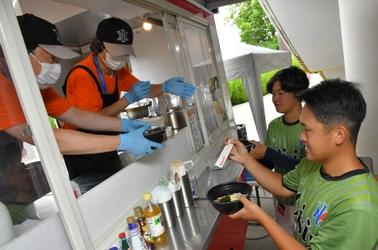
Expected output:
{"points": [[25, 193], [207, 79]]}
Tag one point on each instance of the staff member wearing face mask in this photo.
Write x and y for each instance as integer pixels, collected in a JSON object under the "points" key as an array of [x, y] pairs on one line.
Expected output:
{"points": [[99, 88], [96, 83], [45, 48]]}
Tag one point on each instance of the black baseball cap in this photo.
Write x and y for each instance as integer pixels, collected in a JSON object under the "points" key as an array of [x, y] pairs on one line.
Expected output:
{"points": [[117, 36], [39, 32]]}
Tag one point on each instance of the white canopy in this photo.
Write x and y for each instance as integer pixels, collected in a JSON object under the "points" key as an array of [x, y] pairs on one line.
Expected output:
{"points": [[247, 62]]}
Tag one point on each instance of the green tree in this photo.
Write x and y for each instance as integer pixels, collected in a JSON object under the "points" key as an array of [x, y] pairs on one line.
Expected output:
{"points": [[255, 29], [253, 23], [237, 90]]}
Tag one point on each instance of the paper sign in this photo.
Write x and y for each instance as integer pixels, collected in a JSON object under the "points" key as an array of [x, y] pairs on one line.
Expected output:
{"points": [[224, 155]]}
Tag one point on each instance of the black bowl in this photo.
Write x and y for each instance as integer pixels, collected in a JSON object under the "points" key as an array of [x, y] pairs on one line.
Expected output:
{"points": [[228, 188], [156, 134], [248, 145]]}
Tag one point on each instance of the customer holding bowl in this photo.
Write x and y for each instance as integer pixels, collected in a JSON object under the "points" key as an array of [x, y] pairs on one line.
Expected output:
{"points": [[337, 196]]}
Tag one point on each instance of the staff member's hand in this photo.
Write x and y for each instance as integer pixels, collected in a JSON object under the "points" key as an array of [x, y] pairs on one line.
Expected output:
{"points": [[250, 211], [138, 91], [129, 125], [136, 144], [239, 152], [177, 86], [258, 151]]}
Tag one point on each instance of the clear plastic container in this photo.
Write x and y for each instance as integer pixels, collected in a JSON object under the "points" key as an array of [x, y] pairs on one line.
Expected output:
{"points": [[6, 226]]}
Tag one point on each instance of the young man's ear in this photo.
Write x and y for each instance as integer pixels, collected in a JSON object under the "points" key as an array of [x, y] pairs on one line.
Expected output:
{"points": [[341, 133]]}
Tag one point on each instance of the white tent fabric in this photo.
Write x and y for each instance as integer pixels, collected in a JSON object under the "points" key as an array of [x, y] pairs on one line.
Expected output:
{"points": [[247, 62]]}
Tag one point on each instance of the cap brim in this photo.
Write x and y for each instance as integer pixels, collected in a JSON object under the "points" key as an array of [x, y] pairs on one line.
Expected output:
{"points": [[59, 51], [119, 49]]}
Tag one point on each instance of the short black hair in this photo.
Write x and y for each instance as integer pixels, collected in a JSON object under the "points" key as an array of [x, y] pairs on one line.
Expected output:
{"points": [[334, 102], [292, 80]]}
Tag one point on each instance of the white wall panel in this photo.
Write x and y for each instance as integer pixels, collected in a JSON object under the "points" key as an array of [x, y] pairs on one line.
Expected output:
{"points": [[361, 65]]}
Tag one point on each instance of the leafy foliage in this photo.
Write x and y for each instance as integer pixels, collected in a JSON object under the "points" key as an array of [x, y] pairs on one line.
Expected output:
{"points": [[253, 23], [257, 30], [237, 90]]}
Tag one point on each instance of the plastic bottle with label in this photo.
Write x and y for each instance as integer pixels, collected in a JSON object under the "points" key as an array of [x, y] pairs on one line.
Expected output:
{"points": [[154, 219], [123, 242], [137, 240], [141, 220]]}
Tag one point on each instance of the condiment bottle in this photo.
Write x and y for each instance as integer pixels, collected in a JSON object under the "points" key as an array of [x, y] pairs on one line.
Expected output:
{"points": [[137, 240], [123, 241], [154, 219], [141, 220]]}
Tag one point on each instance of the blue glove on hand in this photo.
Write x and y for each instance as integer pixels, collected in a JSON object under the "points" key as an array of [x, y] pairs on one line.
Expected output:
{"points": [[138, 91], [131, 125], [177, 86], [136, 144]]}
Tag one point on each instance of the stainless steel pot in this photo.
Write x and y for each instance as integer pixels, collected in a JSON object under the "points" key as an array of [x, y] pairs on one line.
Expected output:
{"points": [[138, 112], [176, 118]]}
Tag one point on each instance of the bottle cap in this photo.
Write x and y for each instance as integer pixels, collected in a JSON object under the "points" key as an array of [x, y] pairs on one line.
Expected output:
{"points": [[138, 211], [147, 196], [130, 220], [122, 235]]}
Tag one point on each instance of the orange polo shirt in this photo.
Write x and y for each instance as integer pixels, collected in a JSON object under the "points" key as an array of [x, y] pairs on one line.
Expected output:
{"points": [[82, 91], [11, 113]]}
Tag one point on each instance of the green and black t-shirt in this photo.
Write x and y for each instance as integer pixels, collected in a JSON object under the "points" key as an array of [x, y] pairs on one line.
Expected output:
{"points": [[334, 212]]}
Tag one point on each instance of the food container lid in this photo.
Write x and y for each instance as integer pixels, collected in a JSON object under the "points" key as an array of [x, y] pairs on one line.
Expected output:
{"points": [[153, 130]]}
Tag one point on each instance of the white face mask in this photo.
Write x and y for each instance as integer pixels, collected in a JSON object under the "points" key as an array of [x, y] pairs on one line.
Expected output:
{"points": [[49, 74], [115, 62]]}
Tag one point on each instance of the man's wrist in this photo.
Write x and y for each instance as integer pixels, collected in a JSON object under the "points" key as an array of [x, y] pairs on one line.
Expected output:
{"points": [[127, 98], [125, 125]]}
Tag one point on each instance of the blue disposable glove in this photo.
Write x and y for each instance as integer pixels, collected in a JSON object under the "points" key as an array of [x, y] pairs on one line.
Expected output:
{"points": [[177, 86], [131, 125], [136, 144], [138, 91]]}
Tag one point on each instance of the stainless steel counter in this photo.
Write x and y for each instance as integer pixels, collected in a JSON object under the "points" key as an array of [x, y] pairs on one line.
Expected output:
{"points": [[195, 228]]}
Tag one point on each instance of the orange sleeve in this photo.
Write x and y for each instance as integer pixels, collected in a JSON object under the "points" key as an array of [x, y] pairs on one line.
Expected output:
{"points": [[125, 80], [11, 113], [54, 103], [82, 90]]}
